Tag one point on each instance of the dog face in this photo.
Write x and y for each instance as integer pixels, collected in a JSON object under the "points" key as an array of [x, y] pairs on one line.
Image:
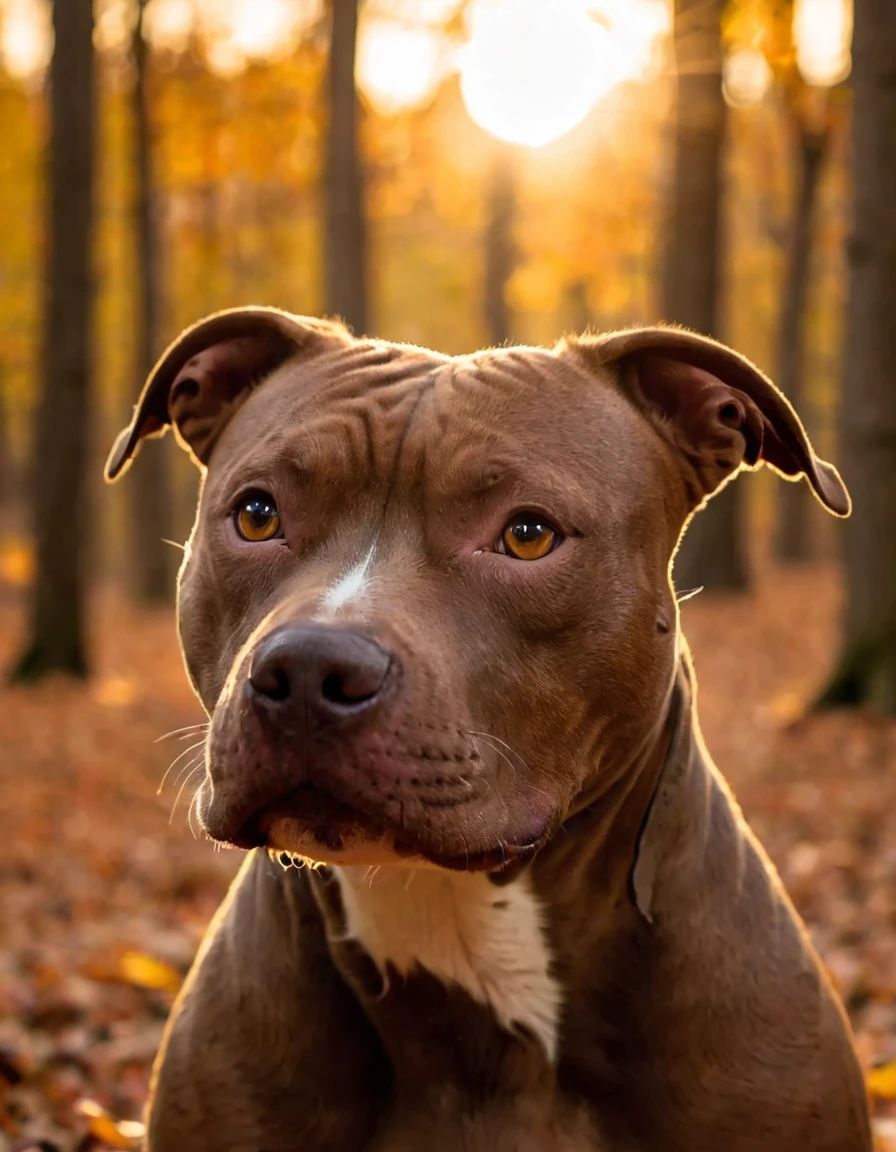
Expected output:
{"points": [[426, 601]]}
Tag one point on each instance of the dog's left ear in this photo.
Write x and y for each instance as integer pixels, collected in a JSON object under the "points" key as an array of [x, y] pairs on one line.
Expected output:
{"points": [[208, 371], [716, 407]]}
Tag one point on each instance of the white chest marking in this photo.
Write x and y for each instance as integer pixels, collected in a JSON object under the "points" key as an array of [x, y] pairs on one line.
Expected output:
{"points": [[460, 927], [351, 586]]}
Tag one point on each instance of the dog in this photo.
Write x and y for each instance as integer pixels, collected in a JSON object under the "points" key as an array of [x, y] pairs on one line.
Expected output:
{"points": [[427, 606]]}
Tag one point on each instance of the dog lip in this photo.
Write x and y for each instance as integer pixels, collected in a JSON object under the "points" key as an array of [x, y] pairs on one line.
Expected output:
{"points": [[306, 803], [491, 860], [310, 804]]}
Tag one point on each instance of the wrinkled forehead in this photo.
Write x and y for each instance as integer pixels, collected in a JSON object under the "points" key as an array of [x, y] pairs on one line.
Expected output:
{"points": [[382, 414]]}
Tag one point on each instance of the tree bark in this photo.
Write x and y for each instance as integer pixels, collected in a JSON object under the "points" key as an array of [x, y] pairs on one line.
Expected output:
{"points": [[794, 536], [152, 571], [499, 247], [56, 639], [345, 256], [867, 670], [7, 494], [713, 553]]}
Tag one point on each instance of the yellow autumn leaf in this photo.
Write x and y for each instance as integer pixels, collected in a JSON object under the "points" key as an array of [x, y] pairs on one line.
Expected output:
{"points": [[115, 692], [16, 564], [146, 971], [882, 1081], [119, 1134]]}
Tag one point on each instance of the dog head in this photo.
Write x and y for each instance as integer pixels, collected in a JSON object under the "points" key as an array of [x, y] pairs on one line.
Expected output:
{"points": [[427, 600]]}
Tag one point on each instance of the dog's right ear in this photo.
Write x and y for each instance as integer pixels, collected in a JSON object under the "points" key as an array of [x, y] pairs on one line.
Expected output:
{"points": [[207, 373]]}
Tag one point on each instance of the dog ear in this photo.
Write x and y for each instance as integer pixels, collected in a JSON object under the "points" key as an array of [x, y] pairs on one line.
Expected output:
{"points": [[207, 373], [718, 409]]}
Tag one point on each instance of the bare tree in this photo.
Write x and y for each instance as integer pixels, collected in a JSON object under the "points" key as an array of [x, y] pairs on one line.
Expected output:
{"points": [[713, 551], [499, 250], [7, 493], [56, 638], [867, 670], [152, 572], [345, 256], [809, 145]]}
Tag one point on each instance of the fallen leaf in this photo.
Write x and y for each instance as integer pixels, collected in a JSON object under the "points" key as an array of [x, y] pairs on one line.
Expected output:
{"points": [[118, 1134], [147, 971], [882, 1081]]}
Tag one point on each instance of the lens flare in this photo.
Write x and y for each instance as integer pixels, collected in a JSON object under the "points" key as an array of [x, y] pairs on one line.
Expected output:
{"points": [[398, 67], [746, 78], [822, 32]]}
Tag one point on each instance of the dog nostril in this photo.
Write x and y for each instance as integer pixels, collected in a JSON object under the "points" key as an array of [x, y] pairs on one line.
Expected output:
{"points": [[343, 688], [333, 689], [271, 682]]}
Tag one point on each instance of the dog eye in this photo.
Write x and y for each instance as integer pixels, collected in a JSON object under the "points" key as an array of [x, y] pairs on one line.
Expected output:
{"points": [[256, 518], [528, 536]]}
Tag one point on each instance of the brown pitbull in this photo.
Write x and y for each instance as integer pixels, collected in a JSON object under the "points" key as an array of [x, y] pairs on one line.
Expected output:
{"points": [[427, 606]]}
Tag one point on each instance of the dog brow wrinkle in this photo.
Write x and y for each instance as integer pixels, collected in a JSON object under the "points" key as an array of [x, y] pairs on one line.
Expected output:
{"points": [[451, 925]]}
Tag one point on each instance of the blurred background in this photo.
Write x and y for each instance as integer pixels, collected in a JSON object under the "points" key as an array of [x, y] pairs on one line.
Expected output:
{"points": [[453, 173]]}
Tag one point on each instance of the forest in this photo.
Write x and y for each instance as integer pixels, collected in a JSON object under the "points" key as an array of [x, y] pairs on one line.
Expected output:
{"points": [[456, 174]]}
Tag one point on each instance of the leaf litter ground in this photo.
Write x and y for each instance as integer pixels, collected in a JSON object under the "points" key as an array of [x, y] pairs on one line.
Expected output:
{"points": [[104, 894]]}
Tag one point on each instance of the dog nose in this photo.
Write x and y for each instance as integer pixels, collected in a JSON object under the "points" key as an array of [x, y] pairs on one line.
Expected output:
{"points": [[333, 673]]}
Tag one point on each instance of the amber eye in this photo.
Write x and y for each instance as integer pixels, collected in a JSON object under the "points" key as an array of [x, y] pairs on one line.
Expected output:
{"points": [[257, 518], [529, 536]]}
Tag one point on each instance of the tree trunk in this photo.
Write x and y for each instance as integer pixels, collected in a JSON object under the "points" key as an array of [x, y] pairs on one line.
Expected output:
{"points": [[345, 262], [867, 671], [56, 640], [499, 247], [712, 553], [796, 507], [7, 494], [579, 308], [152, 571]]}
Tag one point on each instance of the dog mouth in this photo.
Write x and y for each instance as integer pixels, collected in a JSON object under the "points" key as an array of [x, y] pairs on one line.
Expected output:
{"points": [[324, 818], [310, 822]]}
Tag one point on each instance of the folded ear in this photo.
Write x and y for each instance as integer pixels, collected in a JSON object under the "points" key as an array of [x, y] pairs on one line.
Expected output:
{"points": [[207, 373], [716, 407]]}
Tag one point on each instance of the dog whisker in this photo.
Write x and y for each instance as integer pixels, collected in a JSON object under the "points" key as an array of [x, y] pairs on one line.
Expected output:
{"points": [[181, 791], [193, 804], [503, 744], [189, 767], [680, 597], [188, 728], [498, 795], [177, 759]]}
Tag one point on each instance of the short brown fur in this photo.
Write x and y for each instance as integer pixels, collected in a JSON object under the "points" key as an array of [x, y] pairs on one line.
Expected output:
{"points": [[696, 1014]]}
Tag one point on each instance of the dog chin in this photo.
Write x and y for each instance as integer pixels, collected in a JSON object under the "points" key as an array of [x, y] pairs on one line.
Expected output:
{"points": [[345, 845]]}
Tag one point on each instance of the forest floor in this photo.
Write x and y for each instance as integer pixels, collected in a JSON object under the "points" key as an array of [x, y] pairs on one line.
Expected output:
{"points": [[104, 891]]}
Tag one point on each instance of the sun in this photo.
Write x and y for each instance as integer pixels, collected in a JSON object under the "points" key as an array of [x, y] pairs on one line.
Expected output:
{"points": [[533, 69]]}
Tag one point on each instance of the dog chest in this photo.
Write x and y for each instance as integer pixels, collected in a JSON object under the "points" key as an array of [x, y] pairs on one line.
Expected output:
{"points": [[464, 931]]}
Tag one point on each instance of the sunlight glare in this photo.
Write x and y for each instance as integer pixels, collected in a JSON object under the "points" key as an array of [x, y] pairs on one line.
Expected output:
{"points": [[239, 31], [169, 23], [637, 27], [430, 13], [822, 31], [533, 69], [746, 78], [26, 39], [398, 67], [113, 26], [263, 28]]}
